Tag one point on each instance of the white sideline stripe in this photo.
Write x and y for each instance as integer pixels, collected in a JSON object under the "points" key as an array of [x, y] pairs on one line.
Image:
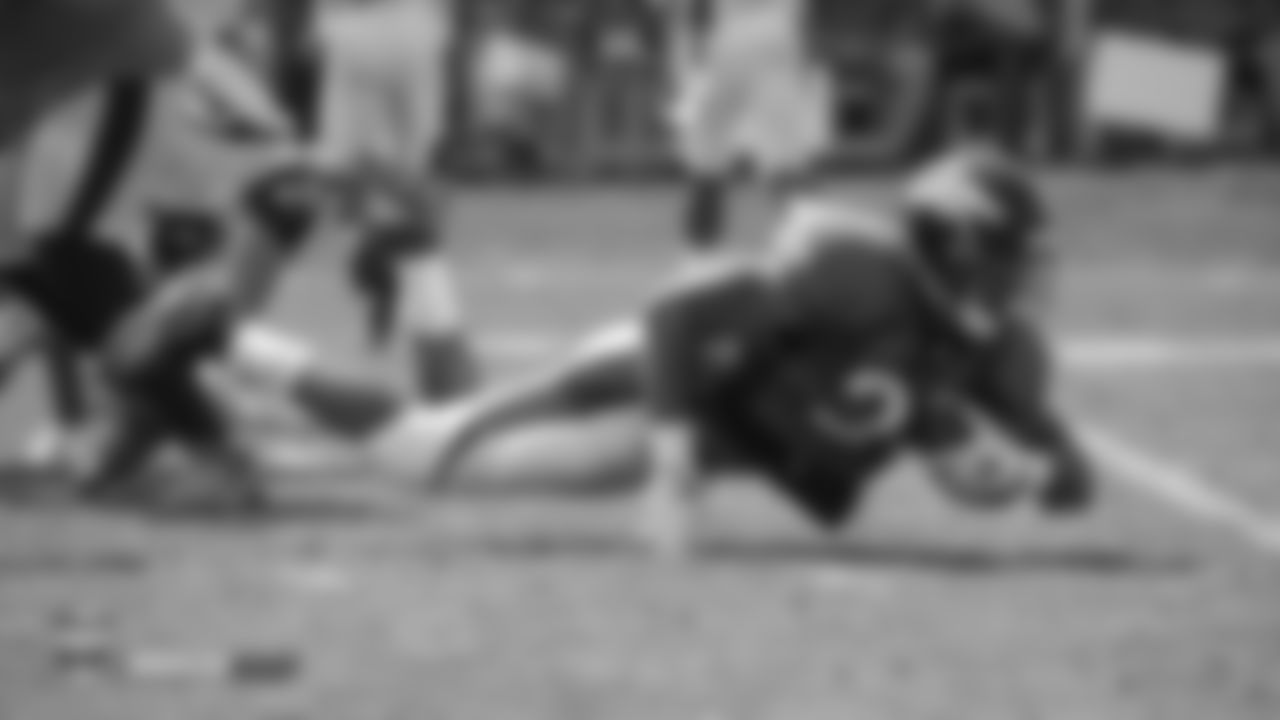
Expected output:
{"points": [[1082, 353], [1180, 488], [571, 274], [1158, 352]]}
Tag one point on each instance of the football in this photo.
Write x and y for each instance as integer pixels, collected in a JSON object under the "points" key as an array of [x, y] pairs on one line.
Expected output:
{"points": [[988, 470]]}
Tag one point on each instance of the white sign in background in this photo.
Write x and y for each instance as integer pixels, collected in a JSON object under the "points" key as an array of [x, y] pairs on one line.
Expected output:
{"points": [[1172, 89]]}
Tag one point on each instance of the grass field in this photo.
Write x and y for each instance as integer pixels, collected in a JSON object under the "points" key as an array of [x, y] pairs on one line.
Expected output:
{"points": [[1163, 605]]}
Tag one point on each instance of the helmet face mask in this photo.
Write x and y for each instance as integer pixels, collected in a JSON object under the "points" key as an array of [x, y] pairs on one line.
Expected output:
{"points": [[975, 224]]}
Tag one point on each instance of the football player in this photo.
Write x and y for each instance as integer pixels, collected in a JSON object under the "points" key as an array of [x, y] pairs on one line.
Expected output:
{"points": [[149, 331], [50, 53], [381, 120], [855, 338], [747, 98]]}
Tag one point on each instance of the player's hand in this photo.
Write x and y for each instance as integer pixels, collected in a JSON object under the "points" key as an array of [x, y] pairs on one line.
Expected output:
{"points": [[666, 502]]}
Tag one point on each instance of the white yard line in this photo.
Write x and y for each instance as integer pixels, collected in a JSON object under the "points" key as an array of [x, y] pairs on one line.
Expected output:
{"points": [[1151, 472], [1082, 353], [575, 273], [1105, 354], [1180, 488]]}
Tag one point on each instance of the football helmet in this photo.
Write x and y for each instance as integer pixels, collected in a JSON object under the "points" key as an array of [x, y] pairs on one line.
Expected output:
{"points": [[975, 219]]}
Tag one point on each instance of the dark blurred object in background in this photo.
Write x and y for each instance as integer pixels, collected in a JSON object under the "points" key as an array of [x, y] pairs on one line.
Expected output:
{"points": [[996, 60]]}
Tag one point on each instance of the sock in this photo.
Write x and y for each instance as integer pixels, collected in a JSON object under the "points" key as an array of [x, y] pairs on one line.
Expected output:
{"points": [[377, 276], [442, 357], [706, 213], [271, 355]]}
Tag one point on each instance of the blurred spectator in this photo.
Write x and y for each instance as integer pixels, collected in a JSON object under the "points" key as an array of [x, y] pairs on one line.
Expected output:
{"points": [[995, 58], [883, 93], [1254, 95]]}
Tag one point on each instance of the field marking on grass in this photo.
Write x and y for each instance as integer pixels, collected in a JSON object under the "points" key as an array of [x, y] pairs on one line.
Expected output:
{"points": [[1177, 485], [1180, 487], [1166, 352], [1083, 353], [575, 274]]}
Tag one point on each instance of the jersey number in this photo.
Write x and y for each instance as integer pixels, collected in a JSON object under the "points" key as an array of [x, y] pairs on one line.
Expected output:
{"points": [[874, 406]]}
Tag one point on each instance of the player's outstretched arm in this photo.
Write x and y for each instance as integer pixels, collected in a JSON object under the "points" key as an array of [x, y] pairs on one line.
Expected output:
{"points": [[691, 332], [1016, 389], [437, 444]]}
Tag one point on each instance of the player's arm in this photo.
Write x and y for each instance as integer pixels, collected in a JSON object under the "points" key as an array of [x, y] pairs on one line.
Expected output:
{"points": [[692, 332], [1014, 387]]}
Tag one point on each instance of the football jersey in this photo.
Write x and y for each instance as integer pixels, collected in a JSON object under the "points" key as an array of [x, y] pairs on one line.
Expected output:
{"points": [[83, 289], [817, 365]]}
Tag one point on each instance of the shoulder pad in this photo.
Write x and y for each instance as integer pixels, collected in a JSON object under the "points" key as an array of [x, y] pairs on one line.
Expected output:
{"points": [[807, 226]]}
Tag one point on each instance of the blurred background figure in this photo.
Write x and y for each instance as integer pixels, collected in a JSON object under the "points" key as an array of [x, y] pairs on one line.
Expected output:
{"points": [[996, 60], [747, 98]]}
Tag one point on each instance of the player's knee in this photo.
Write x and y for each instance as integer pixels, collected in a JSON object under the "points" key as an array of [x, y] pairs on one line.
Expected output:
{"points": [[409, 440], [607, 370], [706, 212]]}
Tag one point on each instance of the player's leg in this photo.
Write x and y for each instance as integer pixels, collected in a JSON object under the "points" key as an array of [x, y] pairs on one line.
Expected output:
{"points": [[164, 408], [434, 444], [1017, 386], [22, 333], [154, 362], [119, 133], [406, 278], [443, 357], [131, 442], [403, 263], [703, 119]]}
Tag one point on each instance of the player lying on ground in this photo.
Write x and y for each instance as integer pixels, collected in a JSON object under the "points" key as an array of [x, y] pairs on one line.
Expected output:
{"points": [[149, 332], [51, 52], [852, 340]]}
